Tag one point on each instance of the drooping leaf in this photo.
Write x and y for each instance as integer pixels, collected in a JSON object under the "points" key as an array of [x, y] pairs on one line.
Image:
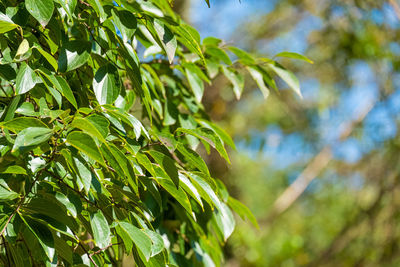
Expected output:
{"points": [[225, 220], [85, 143], [106, 84], [125, 22], [258, 78], [86, 125], [242, 210], [167, 164], [139, 238], [167, 38], [101, 229], [236, 79], [287, 76]]}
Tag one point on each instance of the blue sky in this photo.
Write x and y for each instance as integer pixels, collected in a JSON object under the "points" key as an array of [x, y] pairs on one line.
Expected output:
{"points": [[284, 150]]}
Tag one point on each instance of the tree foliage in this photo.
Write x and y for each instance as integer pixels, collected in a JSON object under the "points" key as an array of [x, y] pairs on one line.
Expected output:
{"points": [[101, 116]]}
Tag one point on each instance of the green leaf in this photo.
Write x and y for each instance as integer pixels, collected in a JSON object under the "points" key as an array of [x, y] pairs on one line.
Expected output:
{"points": [[43, 235], [139, 237], [69, 6], [167, 38], [196, 84], [13, 169], [48, 205], [73, 55], [225, 220], [6, 193], [219, 131], [208, 2], [26, 109], [18, 124], [101, 229], [236, 79], [62, 86], [101, 124], [125, 22], [170, 187], [6, 24], [167, 164], [242, 210], [219, 54], [157, 240], [294, 56], [243, 56], [193, 158], [41, 10], [191, 39], [86, 125], [22, 48], [205, 191], [190, 189], [106, 84], [84, 143], [287, 76], [31, 137], [257, 75], [96, 4], [48, 57], [209, 137], [26, 79]]}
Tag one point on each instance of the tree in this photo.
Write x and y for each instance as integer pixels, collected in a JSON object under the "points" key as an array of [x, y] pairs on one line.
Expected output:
{"points": [[101, 115]]}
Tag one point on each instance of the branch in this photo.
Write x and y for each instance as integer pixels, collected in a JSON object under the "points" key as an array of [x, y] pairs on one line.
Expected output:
{"points": [[313, 169], [396, 7]]}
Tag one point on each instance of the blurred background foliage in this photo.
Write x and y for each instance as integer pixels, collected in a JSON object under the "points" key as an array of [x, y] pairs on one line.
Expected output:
{"points": [[320, 173]]}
